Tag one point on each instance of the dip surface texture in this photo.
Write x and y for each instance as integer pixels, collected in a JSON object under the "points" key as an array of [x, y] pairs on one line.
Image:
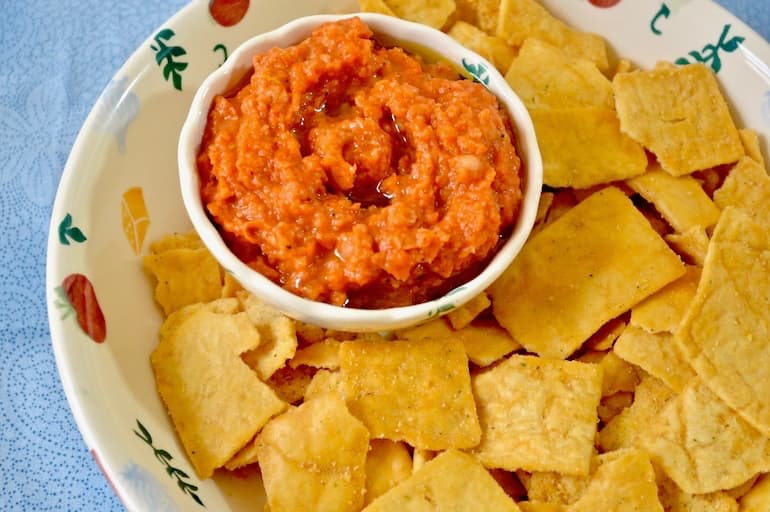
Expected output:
{"points": [[360, 175]]}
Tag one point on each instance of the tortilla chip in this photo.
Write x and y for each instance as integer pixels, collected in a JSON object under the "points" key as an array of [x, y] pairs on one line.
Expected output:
{"points": [[751, 146], [522, 19], [740, 490], [314, 454], [557, 488], [664, 310], [674, 499], [465, 314], [594, 263], [486, 343], [747, 187], [324, 354], [623, 481], [680, 115], [420, 457], [498, 52], [538, 414], [277, 332], [452, 481], [546, 200], [625, 429], [230, 286], [703, 445], [605, 337], [184, 276], [691, 245], [509, 482], [378, 6], [543, 76], [582, 147], [434, 13], [381, 379], [725, 331], [290, 383], [658, 354], [758, 498], [245, 456], [481, 13], [619, 375], [189, 240], [680, 200], [612, 405], [325, 381], [213, 422], [387, 464], [539, 506]]}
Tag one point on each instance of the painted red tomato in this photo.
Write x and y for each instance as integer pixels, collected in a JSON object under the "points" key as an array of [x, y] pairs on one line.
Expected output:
{"points": [[80, 294], [604, 3], [228, 12]]}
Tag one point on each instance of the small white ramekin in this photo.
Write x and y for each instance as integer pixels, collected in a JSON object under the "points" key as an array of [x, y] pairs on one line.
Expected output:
{"points": [[322, 314]]}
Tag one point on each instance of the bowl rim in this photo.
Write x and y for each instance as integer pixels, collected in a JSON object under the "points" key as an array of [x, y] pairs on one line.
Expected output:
{"points": [[320, 313]]}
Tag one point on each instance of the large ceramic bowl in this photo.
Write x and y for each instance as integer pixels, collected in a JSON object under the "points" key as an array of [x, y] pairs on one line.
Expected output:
{"points": [[410, 34], [128, 148]]}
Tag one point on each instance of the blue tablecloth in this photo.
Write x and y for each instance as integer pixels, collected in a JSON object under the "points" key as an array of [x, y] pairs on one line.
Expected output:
{"points": [[56, 58]]}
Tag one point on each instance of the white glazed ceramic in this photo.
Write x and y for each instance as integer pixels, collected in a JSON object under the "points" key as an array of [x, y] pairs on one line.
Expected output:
{"points": [[130, 140], [327, 315]]}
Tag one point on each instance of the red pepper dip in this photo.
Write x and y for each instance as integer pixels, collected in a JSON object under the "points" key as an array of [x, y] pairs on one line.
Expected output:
{"points": [[357, 174]]}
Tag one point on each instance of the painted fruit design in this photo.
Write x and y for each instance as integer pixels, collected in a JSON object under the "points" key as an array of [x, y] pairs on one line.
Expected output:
{"points": [[604, 3], [80, 294], [228, 12], [134, 218]]}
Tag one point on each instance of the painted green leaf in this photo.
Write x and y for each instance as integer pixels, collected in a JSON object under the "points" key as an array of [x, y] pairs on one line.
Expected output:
{"points": [[69, 232], [733, 43], [143, 433]]}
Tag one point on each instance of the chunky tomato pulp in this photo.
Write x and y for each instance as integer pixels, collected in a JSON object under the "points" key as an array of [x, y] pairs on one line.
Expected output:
{"points": [[357, 174]]}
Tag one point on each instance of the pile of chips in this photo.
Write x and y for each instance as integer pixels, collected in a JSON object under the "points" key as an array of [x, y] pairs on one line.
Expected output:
{"points": [[621, 363]]}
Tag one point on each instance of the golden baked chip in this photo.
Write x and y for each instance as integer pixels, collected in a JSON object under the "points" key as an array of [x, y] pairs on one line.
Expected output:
{"points": [[680, 115], [543, 206], [495, 50], [452, 481], [540, 506], [465, 314], [434, 13], [313, 457], [189, 240], [325, 381], [664, 310], [230, 286], [594, 263], [758, 498], [245, 456], [618, 374], [420, 457], [674, 499], [657, 354], [583, 146], [740, 490], [680, 200], [324, 354], [624, 480], [556, 488], [724, 333], [184, 276], [543, 76], [509, 482], [413, 391], [538, 414], [612, 405], [213, 421], [387, 464], [522, 19], [605, 337], [563, 201], [482, 13], [378, 6], [484, 343], [751, 146], [277, 332], [747, 187], [703, 445], [691, 245], [624, 430], [290, 384]]}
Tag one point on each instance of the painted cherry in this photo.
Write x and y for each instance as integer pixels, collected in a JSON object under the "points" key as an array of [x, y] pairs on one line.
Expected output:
{"points": [[604, 3], [80, 294]]}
